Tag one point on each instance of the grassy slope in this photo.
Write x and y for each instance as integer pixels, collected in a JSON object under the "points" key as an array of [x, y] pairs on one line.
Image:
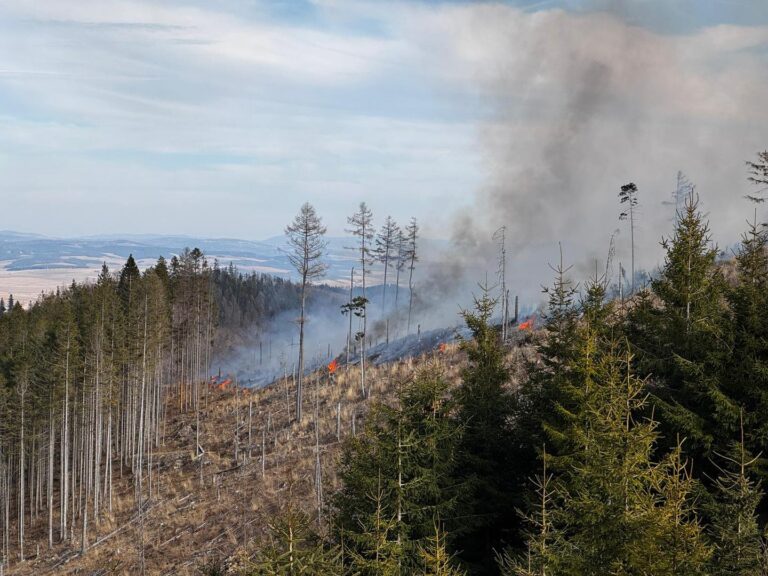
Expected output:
{"points": [[185, 522]]}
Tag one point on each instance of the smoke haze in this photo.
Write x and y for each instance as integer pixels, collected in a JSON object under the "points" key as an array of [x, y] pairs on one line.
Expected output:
{"points": [[583, 103]]}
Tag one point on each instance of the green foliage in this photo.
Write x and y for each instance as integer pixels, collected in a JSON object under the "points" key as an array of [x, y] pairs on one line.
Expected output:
{"points": [[485, 467], [543, 540], [747, 369], [550, 399], [436, 559], [734, 528], [609, 508], [685, 339], [678, 536], [294, 549], [397, 476]]}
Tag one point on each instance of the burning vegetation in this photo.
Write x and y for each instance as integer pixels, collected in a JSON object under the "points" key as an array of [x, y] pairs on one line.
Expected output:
{"points": [[400, 449]]}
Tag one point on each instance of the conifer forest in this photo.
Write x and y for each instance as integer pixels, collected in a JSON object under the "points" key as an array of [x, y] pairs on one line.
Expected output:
{"points": [[402, 288], [622, 435]]}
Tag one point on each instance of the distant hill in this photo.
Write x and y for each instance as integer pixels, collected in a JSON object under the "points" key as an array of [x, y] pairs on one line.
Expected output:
{"points": [[31, 263], [20, 251]]}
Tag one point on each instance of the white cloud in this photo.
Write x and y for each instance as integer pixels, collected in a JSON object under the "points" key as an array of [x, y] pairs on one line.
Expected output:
{"points": [[162, 110]]}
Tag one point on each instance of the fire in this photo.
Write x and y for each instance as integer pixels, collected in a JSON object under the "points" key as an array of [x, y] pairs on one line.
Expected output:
{"points": [[224, 384], [333, 366], [527, 325], [442, 347]]}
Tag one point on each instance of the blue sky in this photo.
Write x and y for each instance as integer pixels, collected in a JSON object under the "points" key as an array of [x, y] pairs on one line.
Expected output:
{"points": [[221, 118]]}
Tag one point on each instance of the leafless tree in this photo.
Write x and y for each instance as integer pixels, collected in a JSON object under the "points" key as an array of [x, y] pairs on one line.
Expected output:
{"points": [[307, 247], [386, 252]]}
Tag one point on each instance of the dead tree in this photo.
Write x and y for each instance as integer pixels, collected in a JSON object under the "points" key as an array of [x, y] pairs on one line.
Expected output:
{"points": [[306, 249], [361, 223], [628, 196], [411, 256], [386, 253]]}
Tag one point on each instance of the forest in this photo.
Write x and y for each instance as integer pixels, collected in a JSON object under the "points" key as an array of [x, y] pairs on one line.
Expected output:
{"points": [[625, 435]]}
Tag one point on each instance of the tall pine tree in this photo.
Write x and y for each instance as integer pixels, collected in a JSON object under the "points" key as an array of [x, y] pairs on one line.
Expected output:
{"points": [[486, 466]]}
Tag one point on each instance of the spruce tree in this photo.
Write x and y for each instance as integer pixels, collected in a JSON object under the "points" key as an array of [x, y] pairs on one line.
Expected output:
{"points": [[386, 253], [735, 528], [376, 547], [758, 174], [294, 549], [397, 475], [437, 560], [551, 396], [746, 374], [685, 339], [161, 269], [486, 466], [611, 493], [543, 540], [129, 275], [411, 256], [679, 536]]}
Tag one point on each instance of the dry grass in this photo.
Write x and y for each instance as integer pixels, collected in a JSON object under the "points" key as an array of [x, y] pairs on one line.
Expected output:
{"points": [[187, 522]]}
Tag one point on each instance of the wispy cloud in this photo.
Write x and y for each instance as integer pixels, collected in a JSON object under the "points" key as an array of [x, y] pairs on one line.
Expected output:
{"points": [[171, 111]]}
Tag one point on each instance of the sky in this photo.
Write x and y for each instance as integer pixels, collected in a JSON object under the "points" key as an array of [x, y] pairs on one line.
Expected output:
{"points": [[219, 119]]}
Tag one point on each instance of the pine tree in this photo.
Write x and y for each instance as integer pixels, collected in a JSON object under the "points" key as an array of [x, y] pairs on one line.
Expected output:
{"points": [[486, 466], [746, 374], [611, 493], [435, 556], [294, 549], [685, 339], [628, 196], [397, 475], [735, 530], [362, 228]]}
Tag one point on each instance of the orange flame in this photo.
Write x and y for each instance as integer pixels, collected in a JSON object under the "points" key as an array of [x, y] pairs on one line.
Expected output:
{"points": [[527, 325], [333, 366], [224, 384], [442, 347]]}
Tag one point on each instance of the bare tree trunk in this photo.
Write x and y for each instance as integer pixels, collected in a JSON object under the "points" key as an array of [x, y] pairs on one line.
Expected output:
{"points": [[23, 392], [349, 334], [51, 446], [300, 380], [318, 467], [250, 427]]}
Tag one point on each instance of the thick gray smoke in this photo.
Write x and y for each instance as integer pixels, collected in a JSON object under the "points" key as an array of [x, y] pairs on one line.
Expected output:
{"points": [[582, 105]]}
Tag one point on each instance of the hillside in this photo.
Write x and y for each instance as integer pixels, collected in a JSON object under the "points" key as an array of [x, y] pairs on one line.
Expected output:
{"points": [[187, 523]]}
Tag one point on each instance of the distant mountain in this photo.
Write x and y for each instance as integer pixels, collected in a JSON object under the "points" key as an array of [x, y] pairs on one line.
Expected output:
{"points": [[35, 252]]}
